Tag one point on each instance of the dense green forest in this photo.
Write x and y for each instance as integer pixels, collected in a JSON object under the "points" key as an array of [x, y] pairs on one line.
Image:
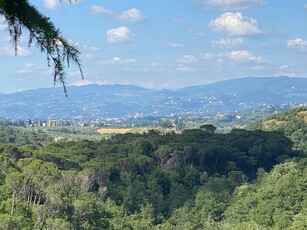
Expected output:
{"points": [[246, 179], [293, 123], [22, 136]]}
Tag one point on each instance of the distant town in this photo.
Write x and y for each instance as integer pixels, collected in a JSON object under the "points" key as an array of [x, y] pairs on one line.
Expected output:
{"points": [[222, 120]]}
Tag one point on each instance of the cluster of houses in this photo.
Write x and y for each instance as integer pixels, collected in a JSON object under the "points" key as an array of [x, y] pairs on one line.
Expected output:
{"points": [[48, 123]]}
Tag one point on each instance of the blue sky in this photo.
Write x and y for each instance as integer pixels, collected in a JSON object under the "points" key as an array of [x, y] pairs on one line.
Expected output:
{"points": [[165, 43]]}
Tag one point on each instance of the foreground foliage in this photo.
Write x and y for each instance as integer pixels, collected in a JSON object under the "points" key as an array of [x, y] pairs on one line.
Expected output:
{"points": [[196, 180]]}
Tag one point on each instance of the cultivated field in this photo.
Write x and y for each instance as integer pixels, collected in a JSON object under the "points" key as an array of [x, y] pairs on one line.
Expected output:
{"points": [[122, 130]]}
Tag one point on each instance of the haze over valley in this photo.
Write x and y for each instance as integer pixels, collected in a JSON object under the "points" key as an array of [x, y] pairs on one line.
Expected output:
{"points": [[92, 102]]}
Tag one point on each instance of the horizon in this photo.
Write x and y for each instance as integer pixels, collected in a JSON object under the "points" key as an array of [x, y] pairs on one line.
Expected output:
{"points": [[118, 84], [177, 45]]}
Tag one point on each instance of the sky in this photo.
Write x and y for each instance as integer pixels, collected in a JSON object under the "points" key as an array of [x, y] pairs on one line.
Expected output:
{"points": [[164, 44]]}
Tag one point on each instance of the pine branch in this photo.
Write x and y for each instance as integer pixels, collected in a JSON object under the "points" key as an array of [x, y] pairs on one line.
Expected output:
{"points": [[20, 15]]}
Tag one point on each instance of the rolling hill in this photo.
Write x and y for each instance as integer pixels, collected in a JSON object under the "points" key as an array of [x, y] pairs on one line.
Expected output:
{"points": [[293, 123], [105, 101]]}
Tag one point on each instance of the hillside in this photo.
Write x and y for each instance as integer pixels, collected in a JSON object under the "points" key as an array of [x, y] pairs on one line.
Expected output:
{"points": [[293, 123], [195, 180], [105, 101]]}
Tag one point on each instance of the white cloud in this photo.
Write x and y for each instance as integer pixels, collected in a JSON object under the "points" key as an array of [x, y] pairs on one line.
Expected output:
{"points": [[184, 69], [228, 43], [91, 48], [199, 34], [52, 4], [23, 51], [231, 4], [119, 61], [187, 59], [6, 51], [87, 82], [185, 63], [305, 6], [55, 4], [100, 10], [88, 56], [132, 15], [259, 68], [196, 33], [284, 67], [176, 45], [119, 35], [288, 74], [90, 52], [169, 85], [74, 73], [220, 57], [208, 56], [179, 21], [298, 43], [3, 24], [245, 55], [29, 68], [235, 24], [154, 66]]}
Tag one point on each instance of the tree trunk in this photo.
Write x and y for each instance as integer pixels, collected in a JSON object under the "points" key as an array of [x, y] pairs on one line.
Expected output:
{"points": [[13, 202], [34, 202], [39, 199], [216, 161]]}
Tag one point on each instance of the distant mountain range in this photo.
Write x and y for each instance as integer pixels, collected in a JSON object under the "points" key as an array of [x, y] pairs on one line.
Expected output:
{"points": [[106, 101]]}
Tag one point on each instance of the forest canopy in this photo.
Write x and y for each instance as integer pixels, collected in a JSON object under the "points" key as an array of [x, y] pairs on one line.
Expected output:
{"points": [[197, 179]]}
